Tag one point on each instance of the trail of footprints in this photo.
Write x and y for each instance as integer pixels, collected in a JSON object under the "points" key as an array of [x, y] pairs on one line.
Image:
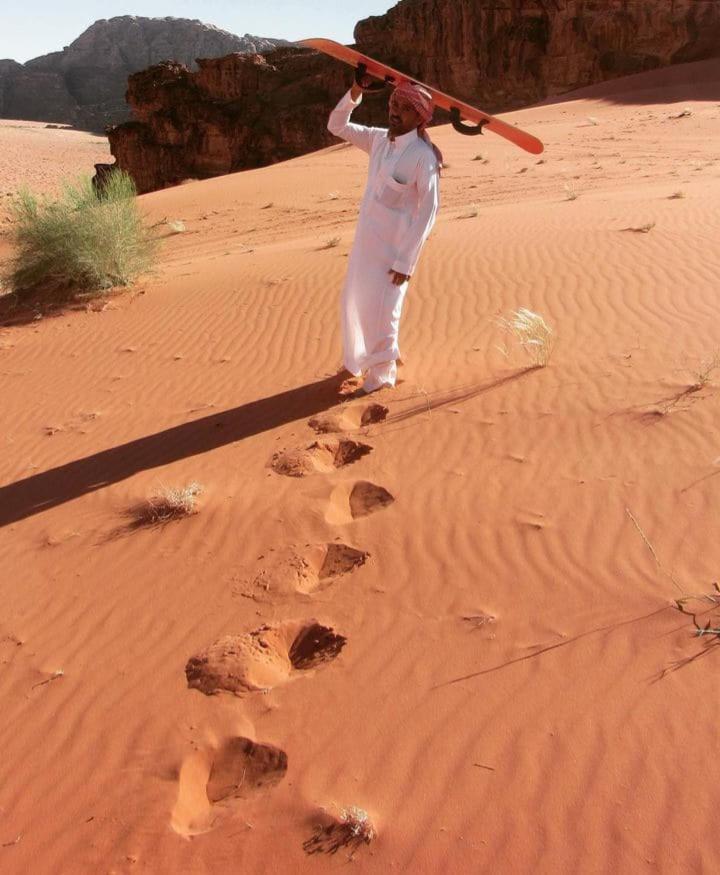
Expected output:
{"points": [[258, 661], [263, 659], [292, 571]]}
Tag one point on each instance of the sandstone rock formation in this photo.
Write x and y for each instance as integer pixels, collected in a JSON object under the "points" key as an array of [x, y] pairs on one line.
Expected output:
{"points": [[502, 54], [235, 112], [240, 112], [85, 83]]}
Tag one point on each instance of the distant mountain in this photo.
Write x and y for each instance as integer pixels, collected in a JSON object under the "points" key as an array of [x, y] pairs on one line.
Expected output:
{"points": [[84, 84]]}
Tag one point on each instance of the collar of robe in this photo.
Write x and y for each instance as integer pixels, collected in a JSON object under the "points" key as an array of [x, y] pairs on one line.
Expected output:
{"points": [[403, 139]]}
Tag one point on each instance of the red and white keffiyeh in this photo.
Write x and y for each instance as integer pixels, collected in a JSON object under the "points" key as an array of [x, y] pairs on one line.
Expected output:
{"points": [[421, 101]]}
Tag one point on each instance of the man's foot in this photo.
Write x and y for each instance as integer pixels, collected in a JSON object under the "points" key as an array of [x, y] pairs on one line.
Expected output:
{"points": [[349, 386]]}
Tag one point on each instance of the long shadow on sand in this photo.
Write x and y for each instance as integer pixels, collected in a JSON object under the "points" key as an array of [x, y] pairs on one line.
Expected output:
{"points": [[50, 488]]}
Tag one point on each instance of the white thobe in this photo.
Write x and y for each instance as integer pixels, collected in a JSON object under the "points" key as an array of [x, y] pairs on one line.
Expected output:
{"points": [[396, 216]]}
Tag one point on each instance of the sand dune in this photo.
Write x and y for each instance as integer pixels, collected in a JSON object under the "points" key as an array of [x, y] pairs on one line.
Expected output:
{"points": [[39, 155], [517, 691]]}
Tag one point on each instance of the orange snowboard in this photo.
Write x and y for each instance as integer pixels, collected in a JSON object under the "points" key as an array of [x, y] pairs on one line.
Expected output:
{"points": [[458, 110]]}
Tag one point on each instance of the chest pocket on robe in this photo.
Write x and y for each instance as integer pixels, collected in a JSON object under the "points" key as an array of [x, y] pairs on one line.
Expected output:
{"points": [[393, 194]]}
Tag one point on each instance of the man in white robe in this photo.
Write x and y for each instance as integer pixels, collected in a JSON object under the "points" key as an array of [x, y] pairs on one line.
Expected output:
{"points": [[397, 213]]}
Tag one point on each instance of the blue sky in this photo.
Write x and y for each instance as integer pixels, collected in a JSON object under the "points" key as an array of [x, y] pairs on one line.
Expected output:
{"points": [[46, 25]]}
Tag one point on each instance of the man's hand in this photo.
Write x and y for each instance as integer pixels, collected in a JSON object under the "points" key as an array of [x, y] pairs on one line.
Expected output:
{"points": [[398, 278], [357, 90]]}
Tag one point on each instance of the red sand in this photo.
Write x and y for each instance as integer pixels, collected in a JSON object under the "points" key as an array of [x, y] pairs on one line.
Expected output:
{"points": [[518, 692]]}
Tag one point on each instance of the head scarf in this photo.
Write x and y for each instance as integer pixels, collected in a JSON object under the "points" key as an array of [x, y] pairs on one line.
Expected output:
{"points": [[421, 101]]}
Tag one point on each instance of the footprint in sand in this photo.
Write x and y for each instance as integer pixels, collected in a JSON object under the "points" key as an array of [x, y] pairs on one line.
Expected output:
{"points": [[263, 659], [212, 781], [318, 457], [348, 502], [242, 767], [349, 419], [304, 570]]}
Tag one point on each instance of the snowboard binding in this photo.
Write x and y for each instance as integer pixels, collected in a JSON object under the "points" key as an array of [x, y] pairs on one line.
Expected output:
{"points": [[463, 127], [377, 87], [380, 86]]}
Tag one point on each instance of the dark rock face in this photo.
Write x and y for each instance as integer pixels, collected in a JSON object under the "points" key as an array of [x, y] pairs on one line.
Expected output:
{"points": [[236, 112], [507, 53], [40, 96], [239, 112], [85, 84]]}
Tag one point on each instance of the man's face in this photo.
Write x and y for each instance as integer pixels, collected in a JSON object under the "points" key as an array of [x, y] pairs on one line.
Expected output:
{"points": [[403, 117]]}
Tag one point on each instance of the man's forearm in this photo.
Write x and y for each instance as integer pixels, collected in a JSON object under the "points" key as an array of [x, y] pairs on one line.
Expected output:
{"points": [[339, 123]]}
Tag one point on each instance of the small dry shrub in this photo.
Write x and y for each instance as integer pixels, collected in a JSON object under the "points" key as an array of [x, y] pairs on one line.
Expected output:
{"points": [[704, 371], [641, 229], [168, 503], [704, 610], [531, 332], [352, 829]]}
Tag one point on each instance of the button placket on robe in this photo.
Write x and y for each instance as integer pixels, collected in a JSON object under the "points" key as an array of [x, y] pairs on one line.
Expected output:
{"points": [[385, 167]]}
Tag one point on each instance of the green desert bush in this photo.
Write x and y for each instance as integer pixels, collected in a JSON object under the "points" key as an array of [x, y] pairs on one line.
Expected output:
{"points": [[80, 242]]}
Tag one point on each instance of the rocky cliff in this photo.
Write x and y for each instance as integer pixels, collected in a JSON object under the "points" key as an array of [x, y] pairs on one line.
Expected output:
{"points": [[508, 53], [241, 112], [85, 83], [235, 112]]}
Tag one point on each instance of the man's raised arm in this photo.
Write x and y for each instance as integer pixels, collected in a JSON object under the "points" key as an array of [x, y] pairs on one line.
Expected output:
{"points": [[340, 125]]}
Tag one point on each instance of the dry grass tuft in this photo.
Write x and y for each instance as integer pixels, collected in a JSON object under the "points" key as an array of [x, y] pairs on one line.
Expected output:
{"points": [[705, 370], [570, 193], [701, 375], [167, 504], [640, 229], [352, 829], [176, 227], [531, 332], [478, 621], [59, 673], [330, 243], [676, 195], [709, 601]]}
